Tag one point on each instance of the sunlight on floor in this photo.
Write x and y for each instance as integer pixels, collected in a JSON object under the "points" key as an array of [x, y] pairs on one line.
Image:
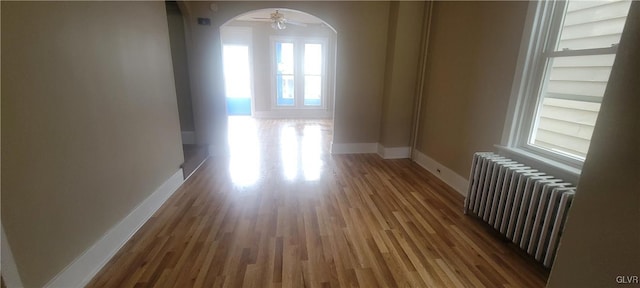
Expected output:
{"points": [[244, 151], [311, 150], [298, 146], [289, 152]]}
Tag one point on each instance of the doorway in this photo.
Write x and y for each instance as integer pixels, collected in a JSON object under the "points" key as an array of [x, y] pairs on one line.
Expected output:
{"points": [[279, 63], [237, 69], [279, 67], [235, 59], [194, 154]]}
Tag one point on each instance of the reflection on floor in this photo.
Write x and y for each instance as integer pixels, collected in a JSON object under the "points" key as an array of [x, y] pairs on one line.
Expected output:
{"points": [[297, 146], [280, 211]]}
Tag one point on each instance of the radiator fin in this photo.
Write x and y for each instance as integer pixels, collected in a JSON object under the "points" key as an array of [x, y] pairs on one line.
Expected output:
{"points": [[527, 206]]}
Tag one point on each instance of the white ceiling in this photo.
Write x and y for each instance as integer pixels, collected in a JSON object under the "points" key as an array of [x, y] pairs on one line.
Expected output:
{"points": [[292, 15]]}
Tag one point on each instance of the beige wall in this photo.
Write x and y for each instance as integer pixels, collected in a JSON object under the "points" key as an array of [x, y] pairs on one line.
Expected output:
{"points": [[602, 236], [89, 122], [361, 45], [403, 55], [180, 66], [472, 57]]}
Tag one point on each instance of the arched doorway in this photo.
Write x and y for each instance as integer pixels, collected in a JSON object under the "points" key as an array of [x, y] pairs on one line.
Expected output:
{"points": [[279, 64]]}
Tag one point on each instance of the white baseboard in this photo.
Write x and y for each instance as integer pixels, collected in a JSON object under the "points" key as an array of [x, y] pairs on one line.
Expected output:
{"points": [[9, 269], [85, 267], [361, 148], [297, 114], [445, 174], [394, 152], [353, 148], [188, 137]]}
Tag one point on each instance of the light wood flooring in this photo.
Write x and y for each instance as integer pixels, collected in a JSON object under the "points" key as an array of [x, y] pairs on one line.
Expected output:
{"points": [[281, 212]]}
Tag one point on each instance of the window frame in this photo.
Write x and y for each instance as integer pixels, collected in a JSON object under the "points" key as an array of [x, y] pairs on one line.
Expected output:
{"points": [[542, 27], [322, 75], [274, 72], [298, 73]]}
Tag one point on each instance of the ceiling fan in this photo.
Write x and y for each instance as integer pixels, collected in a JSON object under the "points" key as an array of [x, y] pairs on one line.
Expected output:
{"points": [[279, 22]]}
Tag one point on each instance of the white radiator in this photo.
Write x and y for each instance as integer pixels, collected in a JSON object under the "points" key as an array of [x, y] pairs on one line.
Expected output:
{"points": [[524, 204]]}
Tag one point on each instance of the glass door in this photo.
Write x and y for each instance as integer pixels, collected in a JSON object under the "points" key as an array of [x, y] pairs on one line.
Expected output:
{"points": [[285, 79], [299, 73], [237, 78]]}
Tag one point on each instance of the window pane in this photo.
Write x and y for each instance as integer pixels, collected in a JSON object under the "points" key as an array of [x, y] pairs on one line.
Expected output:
{"points": [[312, 59], [570, 103], [312, 71], [284, 58], [584, 77], [592, 24], [284, 74], [284, 91], [312, 90]]}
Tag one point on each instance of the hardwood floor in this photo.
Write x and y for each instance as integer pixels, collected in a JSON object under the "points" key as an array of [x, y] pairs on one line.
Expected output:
{"points": [[282, 212]]}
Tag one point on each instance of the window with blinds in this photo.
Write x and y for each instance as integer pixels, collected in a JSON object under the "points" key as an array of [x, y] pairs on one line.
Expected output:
{"points": [[573, 69]]}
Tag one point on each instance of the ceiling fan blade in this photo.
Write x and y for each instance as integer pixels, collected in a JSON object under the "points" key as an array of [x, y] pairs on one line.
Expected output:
{"points": [[261, 18], [296, 23]]}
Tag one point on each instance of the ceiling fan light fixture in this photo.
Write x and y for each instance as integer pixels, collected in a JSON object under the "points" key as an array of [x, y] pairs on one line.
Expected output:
{"points": [[278, 25]]}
